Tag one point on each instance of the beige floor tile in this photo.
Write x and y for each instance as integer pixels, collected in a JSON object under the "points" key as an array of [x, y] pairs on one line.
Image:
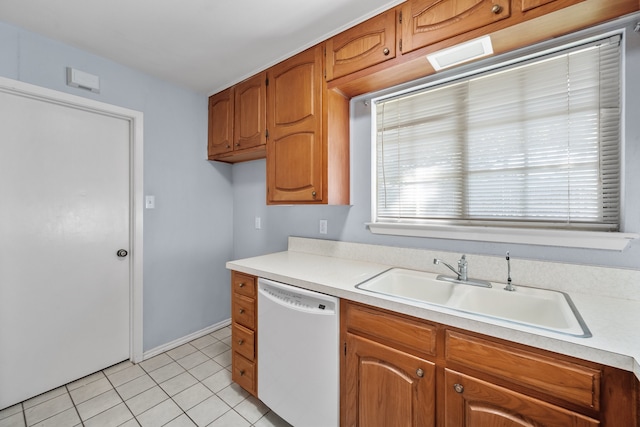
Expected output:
{"points": [[86, 380], [205, 370], [181, 421], [156, 362], [131, 423], [230, 419], [14, 420], [135, 387], [44, 397], [167, 371], [178, 383], [193, 360], [182, 351], [208, 410], [233, 394], [98, 404], [218, 381], [215, 349], [146, 400], [224, 359], [48, 409], [125, 375], [190, 397], [221, 333], [11, 410], [251, 409], [113, 417], [160, 414], [68, 418], [90, 390], [203, 341], [117, 367]]}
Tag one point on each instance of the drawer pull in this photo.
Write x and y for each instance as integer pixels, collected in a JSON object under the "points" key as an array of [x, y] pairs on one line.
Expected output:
{"points": [[419, 372], [496, 9], [242, 372], [241, 284], [241, 311], [458, 388], [386, 51], [240, 341]]}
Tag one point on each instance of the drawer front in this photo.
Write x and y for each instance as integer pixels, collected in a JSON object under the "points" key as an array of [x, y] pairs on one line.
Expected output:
{"points": [[244, 284], [392, 329], [243, 341], [244, 373], [569, 381], [244, 311]]}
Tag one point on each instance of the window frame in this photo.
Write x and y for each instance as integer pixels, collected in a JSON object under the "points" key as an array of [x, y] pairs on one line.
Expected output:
{"points": [[492, 232]]}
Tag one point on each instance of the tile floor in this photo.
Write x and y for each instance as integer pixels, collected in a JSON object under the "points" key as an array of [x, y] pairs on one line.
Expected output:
{"points": [[187, 386]]}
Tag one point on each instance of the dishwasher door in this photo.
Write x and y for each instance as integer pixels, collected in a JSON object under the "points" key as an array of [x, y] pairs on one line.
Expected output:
{"points": [[298, 354]]}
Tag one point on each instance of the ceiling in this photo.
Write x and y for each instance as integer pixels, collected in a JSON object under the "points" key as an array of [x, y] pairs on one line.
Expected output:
{"points": [[203, 45]]}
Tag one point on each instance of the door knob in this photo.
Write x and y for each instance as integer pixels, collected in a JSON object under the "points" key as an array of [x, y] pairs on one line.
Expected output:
{"points": [[122, 253]]}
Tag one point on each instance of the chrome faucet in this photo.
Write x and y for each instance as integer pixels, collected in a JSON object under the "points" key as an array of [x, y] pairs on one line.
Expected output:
{"points": [[461, 273], [509, 286]]}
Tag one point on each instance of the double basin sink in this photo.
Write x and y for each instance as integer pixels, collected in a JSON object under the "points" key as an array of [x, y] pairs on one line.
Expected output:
{"points": [[533, 307]]}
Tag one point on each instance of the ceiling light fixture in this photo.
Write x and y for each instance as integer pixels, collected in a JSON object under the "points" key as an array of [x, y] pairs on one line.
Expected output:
{"points": [[461, 53]]}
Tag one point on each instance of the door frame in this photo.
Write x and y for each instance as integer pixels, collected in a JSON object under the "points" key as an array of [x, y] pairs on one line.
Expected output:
{"points": [[136, 189]]}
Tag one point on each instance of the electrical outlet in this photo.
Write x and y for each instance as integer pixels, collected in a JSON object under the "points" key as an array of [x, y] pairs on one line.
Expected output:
{"points": [[323, 226], [150, 202], [258, 223]]}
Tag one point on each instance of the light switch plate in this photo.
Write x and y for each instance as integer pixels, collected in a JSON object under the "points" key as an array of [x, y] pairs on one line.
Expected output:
{"points": [[323, 226], [150, 202]]}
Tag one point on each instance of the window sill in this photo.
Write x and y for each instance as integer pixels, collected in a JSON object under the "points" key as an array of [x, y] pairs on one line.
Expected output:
{"points": [[560, 238]]}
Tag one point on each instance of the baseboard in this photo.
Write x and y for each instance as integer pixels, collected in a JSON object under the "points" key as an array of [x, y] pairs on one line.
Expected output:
{"points": [[176, 343]]}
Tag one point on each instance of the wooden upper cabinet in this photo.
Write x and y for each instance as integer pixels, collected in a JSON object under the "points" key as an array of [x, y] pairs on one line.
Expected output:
{"points": [[426, 22], [250, 112], [294, 120], [221, 123], [527, 5], [366, 44]]}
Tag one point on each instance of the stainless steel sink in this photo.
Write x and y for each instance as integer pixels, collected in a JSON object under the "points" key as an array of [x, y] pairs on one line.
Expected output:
{"points": [[537, 308]]}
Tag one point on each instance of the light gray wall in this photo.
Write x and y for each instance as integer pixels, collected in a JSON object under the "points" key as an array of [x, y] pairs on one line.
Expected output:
{"points": [[188, 236], [348, 223]]}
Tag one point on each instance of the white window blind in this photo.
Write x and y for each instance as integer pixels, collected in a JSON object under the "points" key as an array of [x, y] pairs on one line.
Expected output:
{"points": [[535, 144]]}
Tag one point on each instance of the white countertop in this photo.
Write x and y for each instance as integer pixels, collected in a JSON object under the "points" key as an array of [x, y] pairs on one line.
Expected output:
{"points": [[613, 322]]}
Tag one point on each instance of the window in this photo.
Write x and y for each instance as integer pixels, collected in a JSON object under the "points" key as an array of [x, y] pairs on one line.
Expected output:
{"points": [[533, 145]]}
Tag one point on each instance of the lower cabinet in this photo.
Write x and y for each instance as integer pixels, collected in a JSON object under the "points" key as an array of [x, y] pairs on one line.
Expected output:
{"points": [[244, 326], [387, 387], [402, 371], [472, 402]]}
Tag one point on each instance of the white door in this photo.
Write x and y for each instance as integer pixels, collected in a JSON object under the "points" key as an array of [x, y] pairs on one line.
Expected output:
{"points": [[64, 213]]}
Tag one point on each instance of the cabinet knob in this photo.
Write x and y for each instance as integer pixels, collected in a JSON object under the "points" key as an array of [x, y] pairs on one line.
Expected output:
{"points": [[386, 51], [458, 388], [420, 372], [240, 342], [313, 194], [242, 373], [241, 284], [237, 144], [496, 9], [228, 146], [241, 311]]}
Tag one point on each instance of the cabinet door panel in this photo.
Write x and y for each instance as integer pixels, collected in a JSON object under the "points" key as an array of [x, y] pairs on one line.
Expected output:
{"points": [[470, 402], [250, 114], [367, 44], [387, 387], [425, 22], [294, 118], [221, 122]]}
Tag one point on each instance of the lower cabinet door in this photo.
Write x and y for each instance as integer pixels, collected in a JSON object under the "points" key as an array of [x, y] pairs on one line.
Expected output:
{"points": [[472, 402], [386, 387]]}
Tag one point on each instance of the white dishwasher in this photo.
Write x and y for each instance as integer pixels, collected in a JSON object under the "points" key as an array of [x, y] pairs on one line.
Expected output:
{"points": [[298, 354]]}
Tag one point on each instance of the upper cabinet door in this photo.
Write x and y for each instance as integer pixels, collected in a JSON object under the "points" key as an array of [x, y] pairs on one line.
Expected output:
{"points": [[250, 112], [294, 121], [425, 22], [221, 123], [367, 44]]}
